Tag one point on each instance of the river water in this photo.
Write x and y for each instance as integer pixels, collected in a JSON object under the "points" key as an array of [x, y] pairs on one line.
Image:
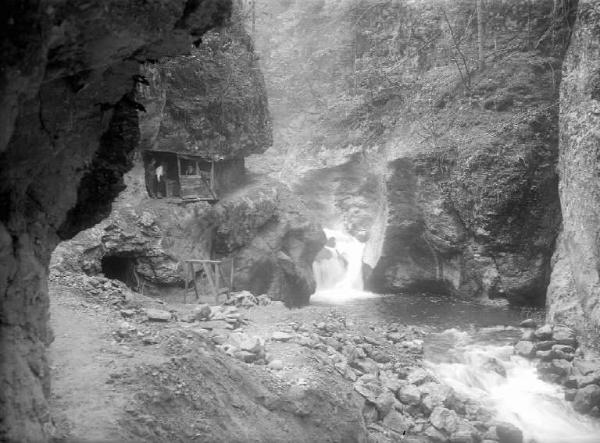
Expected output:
{"points": [[469, 348]]}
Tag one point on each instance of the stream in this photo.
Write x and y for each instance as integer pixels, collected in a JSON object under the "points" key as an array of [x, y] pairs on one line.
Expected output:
{"points": [[470, 348]]}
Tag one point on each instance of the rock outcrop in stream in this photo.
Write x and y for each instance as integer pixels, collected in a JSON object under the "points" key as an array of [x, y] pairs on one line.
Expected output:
{"points": [[69, 122]]}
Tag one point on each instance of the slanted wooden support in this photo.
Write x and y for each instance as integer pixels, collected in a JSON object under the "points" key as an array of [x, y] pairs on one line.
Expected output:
{"points": [[214, 275]]}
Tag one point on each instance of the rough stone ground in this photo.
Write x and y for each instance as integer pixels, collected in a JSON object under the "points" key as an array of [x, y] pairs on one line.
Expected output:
{"points": [[113, 384], [131, 368]]}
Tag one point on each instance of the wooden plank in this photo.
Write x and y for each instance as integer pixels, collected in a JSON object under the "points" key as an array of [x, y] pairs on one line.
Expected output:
{"points": [[217, 267], [198, 260], [230, 280], [186, 281], [194, 279], [207, 271]]}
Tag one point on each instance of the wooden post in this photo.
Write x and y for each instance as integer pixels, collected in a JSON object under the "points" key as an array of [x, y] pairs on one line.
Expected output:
{"points": [[179, 175], [193, 271], [216, 282], [186, 281], [212, 177], [230, 280], [207, 270]]}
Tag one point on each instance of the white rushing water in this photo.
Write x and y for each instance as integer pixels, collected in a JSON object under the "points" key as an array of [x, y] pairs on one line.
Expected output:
{"points": [[479, 364], [520, 397], [338, 269]]}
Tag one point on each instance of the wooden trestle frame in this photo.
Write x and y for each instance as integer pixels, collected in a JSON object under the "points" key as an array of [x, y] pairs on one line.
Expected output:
{"points": [[214, 275]]}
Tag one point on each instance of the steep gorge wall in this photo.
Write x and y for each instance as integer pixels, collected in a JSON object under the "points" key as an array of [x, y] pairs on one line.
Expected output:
{"points": [[69, 123], [574, 293], [463, 157]]}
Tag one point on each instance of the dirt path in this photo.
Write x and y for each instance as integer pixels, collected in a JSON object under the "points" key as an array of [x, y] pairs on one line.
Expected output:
{"points": [[163, 382], [83, 357]]}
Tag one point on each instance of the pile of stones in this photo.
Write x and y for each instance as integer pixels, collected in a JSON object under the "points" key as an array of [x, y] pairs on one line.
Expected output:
{"points": [[400, 398], [559, 360]]}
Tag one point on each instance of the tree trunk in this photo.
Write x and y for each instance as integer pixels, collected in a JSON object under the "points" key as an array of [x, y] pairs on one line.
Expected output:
{"points": [[480, 34]]}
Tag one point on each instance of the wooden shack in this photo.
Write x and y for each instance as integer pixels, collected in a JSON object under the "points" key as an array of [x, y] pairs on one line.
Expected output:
{"points": [[171, 174]]}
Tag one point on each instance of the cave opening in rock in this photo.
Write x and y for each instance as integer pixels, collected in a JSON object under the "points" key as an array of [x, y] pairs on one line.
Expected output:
{"points": [[118, 267]]}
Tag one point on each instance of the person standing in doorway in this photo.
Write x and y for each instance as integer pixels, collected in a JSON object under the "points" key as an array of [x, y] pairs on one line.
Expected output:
{"points": [[161, 187]]}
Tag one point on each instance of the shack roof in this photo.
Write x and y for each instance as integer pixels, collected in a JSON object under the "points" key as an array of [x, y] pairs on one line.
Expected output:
{"points": [[185, 155]]}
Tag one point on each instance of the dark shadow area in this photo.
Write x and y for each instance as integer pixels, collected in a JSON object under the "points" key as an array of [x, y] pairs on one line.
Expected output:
{"points": [[120, 268]]}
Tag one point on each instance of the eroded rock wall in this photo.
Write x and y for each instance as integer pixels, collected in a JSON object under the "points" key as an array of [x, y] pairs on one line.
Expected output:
{"points": [[68, 125], [473, 189], [574, 292]]}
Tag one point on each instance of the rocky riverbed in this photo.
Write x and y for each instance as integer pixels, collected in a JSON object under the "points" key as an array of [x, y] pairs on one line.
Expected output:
{"points": [[252, 370]]}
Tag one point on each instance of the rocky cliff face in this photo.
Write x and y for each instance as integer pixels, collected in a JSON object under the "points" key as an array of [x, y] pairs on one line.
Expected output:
{"points": [[574, 292], [211, 103], [69, 122], [465, 149], [143, 242]]}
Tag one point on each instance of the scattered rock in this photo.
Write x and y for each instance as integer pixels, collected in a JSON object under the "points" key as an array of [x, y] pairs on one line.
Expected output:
{"points": [[395, 337], [369, 387], [275, 364], [528, 323], [492, 364], [544, 332], [465, 433], [201, 312], [396, 422], [418, 376], [246, 356], [587, 398], [589, 379], [570, 394], [415, 346], [444, 419], [544, 345], [434, 395], [409, 395], [244, 299], [525, 349], [370, 413], [584, 367], [528, 335], [365, 365], [435, 436], [384, 403], [216, 324], [157, 315], [127, 313], [379, 356], [391, 382], [508, 433], [564, 336], [281, 336], [263, 300]]}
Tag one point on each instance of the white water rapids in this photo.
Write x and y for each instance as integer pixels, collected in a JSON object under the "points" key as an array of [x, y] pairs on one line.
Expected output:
{"points": [[472, 362]]}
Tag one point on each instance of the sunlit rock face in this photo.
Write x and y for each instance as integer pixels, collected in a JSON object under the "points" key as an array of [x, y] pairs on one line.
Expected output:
{"points": [[69, 122], [574, 293]]}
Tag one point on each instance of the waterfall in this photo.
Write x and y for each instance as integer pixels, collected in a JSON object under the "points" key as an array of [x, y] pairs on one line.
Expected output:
{"points": [[509, 385], [338, 269]]}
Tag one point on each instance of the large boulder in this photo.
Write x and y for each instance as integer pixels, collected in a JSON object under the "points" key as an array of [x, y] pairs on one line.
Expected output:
{"points": [[277, 258]]}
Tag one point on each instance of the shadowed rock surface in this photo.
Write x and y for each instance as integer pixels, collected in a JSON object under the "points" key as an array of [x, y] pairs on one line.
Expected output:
{"points": [[69, 124]]}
